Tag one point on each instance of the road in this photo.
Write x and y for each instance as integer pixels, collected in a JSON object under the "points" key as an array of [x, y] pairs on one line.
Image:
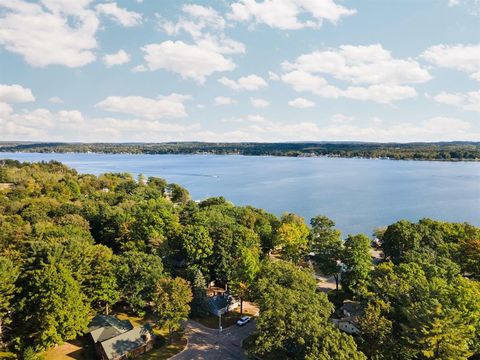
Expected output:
{"points": [[208, 344]]}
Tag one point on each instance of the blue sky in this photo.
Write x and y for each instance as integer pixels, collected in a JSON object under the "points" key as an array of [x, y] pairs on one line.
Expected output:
{"points": [[243, 70]]}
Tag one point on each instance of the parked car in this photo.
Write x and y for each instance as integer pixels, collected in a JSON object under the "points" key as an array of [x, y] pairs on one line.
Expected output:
{"points": [[243, 320]]}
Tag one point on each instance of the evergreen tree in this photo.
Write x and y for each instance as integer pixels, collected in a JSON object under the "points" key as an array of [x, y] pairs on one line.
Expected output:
{"points": [[199, 305]]}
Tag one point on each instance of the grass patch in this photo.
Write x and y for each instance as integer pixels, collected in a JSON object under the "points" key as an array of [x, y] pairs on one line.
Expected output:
{"points": [[77, 349], [166, 351]]}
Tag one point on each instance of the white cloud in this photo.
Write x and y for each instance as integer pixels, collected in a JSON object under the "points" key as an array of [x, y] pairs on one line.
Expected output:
{"points": [[205, 55], [121, 16], [118, 58], [288, 14], [15, 93], [55, 100], [370, 64], [206, 27], [431, 129], [170, 106], [139, 68], [466, 101], [301, 103], [61, 32], [459, 57], [273, 76], [259, 103], [249, 83], [473, 6], [190, 61], [256, 118], [223, 100], [384, 78], [341, 119]]}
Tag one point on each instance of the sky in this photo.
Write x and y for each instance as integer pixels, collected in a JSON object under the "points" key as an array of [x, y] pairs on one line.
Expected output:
{"points": [[240, 70]]}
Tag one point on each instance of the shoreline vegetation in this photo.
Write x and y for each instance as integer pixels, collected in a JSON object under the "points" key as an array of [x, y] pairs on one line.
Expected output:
{"points": [[438, 151], [76, 245]]}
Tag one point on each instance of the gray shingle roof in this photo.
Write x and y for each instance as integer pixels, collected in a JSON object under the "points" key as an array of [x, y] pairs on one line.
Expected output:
{"points": [[126, 342]]}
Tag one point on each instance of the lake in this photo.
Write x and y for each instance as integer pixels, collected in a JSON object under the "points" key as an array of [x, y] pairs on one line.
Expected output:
{"points": [[358, 194]]}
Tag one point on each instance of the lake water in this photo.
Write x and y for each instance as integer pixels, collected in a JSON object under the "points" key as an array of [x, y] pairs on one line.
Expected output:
{"points": [[358, 194]]}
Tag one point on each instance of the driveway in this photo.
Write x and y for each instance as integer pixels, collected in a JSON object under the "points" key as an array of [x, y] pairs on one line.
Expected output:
{"points": [[208, 344]]}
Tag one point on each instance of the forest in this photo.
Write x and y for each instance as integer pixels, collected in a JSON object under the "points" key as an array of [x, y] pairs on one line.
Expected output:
{"points": [[443, 151], [73, 245]]}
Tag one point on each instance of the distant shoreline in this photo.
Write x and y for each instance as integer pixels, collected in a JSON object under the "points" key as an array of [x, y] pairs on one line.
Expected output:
{"points": [[246, 155], [441, 151]]}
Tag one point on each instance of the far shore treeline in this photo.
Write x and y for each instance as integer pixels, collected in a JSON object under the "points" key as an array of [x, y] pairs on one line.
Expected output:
{"points": [[74, 245], [446, 151]]}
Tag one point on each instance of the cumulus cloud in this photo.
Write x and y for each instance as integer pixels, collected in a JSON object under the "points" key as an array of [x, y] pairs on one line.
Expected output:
{"points": [[190, 61], [72, 125], [301, 103], [201, 58], [171, 106], [259, 103], [374, 74], [121, 16], [50, 32], [370, 64], [55, 100], [118, 58], [223, 100], [459, 57], [467, 101], [15, 94], [249, 83], [288, 14]]}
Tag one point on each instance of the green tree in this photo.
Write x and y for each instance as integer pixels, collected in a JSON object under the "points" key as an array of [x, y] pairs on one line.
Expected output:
{"points": [[137, 275], [8, 276], [199, 306], [246, 268], [198, 246], [357, 264], [400, 238], [178, 194], [171, 303], [327, 246], [292, 237], [101, 284], [54, 310], [293, 321]]}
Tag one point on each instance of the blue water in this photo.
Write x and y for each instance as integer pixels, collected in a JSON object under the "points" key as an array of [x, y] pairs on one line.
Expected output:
{"points": [[358, 194]]}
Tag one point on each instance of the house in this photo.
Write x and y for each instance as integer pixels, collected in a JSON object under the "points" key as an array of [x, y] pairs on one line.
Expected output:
{"points": [[116, 339], [347, 317], [348, 324], [220, 301]]}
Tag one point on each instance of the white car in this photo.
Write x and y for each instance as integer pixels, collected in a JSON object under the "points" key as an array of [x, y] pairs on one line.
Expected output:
{"points": [[243, 320]]}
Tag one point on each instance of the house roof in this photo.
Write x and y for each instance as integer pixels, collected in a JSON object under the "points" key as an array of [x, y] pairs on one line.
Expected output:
{"points": [[126, 342], [104, 327], [100, 321]]}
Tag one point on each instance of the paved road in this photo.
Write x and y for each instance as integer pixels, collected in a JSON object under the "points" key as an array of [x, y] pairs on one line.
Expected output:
{"points": [[209, 344]]}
